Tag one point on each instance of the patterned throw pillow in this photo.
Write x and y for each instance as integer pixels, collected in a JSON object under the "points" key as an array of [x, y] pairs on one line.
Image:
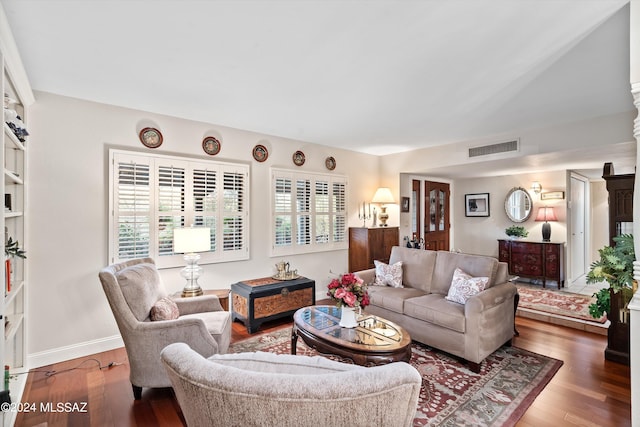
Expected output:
{"points": [[463, 286], [388, 275], [164, 309]]}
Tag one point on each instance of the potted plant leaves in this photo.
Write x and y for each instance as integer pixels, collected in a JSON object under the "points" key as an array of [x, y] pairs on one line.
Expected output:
{"points": [[615, 266], [516, 231]]}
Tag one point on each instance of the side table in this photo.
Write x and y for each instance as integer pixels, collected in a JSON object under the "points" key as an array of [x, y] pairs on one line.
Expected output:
{"points": [[222, 294]]}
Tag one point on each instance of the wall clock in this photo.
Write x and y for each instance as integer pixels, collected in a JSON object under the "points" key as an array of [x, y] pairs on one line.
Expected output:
{"points": [[211, 145], [150, 137]]}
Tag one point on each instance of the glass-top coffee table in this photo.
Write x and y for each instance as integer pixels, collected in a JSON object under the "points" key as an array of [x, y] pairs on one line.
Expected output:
{"points": [[374, 341]]}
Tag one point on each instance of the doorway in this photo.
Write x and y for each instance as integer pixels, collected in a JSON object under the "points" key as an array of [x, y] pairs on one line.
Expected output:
{"points": [[578, 203]]}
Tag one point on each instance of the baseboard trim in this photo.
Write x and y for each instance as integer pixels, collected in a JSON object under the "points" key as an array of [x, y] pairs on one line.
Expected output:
{"points": [[60, 354]]}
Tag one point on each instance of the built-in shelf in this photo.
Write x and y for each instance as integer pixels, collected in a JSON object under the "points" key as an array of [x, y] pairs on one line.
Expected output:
{"points": [[15, 321], [11, 176], [13, 139], [15, 290]]}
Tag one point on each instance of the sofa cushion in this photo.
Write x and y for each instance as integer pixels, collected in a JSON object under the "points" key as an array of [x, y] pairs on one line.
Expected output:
{"points": [[464, 286], [388, 275], [164, 309], [434, 308], [417, 266], [141, 287], [391, 298], [474, 265]]}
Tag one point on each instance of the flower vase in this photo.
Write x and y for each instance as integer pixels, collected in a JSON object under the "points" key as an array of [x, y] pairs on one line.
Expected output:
{"points": [[348, 317]]}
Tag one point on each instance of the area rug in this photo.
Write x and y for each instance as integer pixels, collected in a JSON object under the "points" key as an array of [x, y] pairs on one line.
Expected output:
{"points": [[546, 300], [451, 395]]}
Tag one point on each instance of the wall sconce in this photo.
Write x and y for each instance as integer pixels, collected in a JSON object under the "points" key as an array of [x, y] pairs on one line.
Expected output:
{"points": [[536, 187]]}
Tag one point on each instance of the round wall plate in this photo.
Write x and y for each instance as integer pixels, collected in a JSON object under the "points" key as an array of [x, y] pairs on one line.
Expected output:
{"points": [[298, 158], [330, 163], [150, 137], [211, 145], [260, 153]]}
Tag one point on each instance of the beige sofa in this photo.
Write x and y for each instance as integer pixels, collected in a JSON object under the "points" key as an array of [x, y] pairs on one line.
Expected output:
{"points": [[472, 330], [266, 389]]}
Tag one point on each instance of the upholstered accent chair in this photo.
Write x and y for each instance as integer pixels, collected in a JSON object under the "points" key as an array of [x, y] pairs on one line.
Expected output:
{"points": [[267, 389], [133, 288]]}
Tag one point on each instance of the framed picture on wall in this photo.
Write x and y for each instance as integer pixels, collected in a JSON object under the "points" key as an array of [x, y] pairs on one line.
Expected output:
{"points": [[404, 207], [476, 204]]}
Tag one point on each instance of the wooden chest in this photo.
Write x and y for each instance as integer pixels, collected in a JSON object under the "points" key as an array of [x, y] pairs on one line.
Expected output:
{"points": [[260, 300]]}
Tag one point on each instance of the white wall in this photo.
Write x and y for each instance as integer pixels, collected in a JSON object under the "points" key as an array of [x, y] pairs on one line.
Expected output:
{"points": [[478, 235], [68, 198]]}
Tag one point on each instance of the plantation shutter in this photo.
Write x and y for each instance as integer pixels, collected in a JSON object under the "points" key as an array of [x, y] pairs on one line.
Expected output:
{"points": [[311, 208], [154, 194]]}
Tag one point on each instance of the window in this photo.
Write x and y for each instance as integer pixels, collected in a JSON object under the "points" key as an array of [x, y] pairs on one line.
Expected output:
{"points": [[308, 212], [151, 195]]}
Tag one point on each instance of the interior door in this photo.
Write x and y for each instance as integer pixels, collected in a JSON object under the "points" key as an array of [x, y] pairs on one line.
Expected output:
{"points": [[578, 253], [416, 203], [436, 209]]}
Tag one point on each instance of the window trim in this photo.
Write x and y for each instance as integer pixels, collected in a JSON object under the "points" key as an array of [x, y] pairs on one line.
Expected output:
{"points": [[313, 246], [155, 162]]}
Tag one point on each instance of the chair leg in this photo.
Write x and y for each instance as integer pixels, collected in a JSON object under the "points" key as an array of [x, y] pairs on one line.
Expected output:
{"points": [[137, 392]]}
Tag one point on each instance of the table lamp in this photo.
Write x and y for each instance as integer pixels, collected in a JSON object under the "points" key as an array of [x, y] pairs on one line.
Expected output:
{"points": [[546, 214], [383, 196], [189, 241]]}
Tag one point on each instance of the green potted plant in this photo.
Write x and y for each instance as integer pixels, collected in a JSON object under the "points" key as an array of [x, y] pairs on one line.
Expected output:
{"points": [[516, 231], [12, 249], [615, 266]]}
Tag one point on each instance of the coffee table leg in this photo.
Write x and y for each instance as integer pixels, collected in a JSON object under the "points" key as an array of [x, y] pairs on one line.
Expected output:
{"points": [[294, 340]]}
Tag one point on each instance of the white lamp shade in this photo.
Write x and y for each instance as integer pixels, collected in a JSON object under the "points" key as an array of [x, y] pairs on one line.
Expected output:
{"points": [[190, 240], [383, 195]]}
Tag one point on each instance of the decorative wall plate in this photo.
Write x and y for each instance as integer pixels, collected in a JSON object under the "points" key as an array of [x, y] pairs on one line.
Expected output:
{"points": [[330, 163], [260, 153], [298, 158], [150, 137], [211, 145]]}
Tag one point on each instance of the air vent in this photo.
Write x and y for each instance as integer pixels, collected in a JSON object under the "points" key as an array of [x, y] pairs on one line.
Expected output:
{"points": [[502, 147]]}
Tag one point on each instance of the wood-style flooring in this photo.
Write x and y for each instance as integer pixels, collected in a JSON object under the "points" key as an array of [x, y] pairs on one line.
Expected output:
{"points": [[586, 391]]}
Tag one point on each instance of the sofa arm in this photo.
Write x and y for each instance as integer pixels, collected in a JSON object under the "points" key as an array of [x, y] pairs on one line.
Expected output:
{"points": [[491, 297], [367, 276]]}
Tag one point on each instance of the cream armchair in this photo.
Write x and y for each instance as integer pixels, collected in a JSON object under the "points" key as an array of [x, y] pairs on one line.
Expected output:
{"points": [[267, 389], [132, 289]]}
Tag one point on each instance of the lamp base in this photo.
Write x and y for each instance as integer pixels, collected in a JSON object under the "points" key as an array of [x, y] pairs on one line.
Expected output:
{"points": [[546, 232], [384, 216], [186, 293]]}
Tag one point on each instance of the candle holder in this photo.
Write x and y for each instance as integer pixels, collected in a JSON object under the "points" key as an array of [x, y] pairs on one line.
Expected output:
{"points": [[364, 216]]}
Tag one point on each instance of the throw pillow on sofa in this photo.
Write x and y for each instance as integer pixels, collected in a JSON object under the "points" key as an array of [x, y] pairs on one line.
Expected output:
{"points": [[464, 286], [388, 275], [164, 309]]}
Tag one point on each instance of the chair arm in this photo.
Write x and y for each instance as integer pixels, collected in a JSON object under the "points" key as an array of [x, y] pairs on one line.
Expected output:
{"points": [[190, 330], [199, 304], [368, 276], [491, 297]]}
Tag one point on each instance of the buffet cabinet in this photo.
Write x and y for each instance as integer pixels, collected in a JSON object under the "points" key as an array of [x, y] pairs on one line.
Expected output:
{"points": [[369, 244], [536, 260]]}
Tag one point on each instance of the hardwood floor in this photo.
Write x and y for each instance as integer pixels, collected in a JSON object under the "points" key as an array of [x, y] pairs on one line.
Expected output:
{"points": [[586, 391]]}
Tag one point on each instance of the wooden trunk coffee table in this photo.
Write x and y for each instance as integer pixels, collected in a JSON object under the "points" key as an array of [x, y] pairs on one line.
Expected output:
{"points": [[374, 341]]}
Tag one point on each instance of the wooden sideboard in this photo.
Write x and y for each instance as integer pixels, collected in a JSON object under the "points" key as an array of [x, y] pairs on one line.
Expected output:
{"points": [[537, 260], [369, 244]]}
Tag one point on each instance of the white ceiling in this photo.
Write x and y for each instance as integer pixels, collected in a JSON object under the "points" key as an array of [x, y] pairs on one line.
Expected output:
{"points": [[372, 76]]}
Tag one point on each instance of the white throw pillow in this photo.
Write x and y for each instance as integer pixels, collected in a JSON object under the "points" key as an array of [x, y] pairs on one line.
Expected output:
{"points": [[388, 275], [464, 286]]}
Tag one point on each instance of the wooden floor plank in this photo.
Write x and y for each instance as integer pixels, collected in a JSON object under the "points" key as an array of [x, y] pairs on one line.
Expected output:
{"points": [[586, 391]]}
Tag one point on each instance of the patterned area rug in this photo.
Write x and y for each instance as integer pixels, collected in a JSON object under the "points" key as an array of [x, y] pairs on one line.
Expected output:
{"points": [[556, 302], [451, 395]]}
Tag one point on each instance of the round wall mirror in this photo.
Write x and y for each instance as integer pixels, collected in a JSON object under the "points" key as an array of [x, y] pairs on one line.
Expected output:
{"points": [[518, 205]]}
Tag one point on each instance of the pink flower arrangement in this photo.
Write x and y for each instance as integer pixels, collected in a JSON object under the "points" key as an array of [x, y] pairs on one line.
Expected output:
{"points": [[348, 290]]}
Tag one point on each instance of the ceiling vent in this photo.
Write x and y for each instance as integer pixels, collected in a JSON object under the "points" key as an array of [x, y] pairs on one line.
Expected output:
{"points": [[502, 147]]}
